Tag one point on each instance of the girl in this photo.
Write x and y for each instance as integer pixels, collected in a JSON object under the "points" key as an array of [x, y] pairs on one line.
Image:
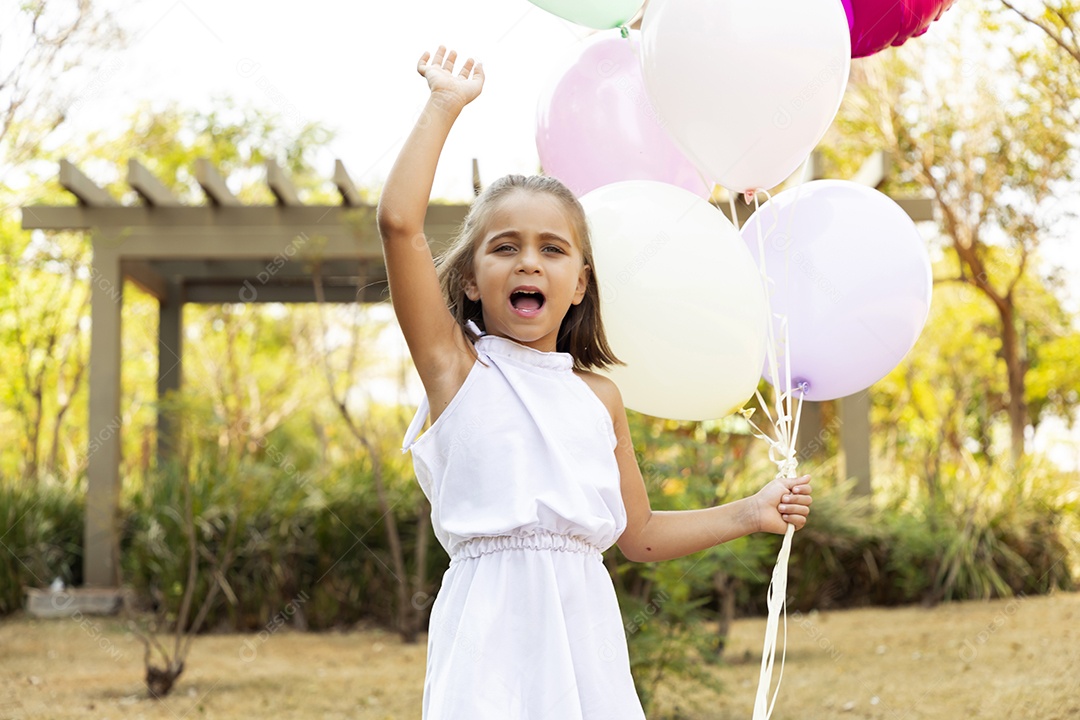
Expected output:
{"points": [[528, 462]]}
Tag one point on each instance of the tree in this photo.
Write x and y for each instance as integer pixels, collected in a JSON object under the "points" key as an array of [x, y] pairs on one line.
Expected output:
{"points": [[1059, 19], [411, 593], [994, 146], [42, 296], [54, 42]]}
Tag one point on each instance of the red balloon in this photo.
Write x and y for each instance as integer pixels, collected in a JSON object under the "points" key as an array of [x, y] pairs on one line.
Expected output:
{"points": [[881, 23]]}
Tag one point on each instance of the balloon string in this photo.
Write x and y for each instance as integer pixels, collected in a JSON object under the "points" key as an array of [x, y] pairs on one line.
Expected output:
{"points": [[782, 453], [774, 369]]}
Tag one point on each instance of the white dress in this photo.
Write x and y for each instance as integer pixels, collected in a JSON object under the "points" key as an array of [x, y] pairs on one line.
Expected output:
{"points": [[523, 482]]}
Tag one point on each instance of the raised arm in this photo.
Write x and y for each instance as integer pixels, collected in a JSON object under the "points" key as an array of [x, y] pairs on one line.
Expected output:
{"points": [[429, 329]]}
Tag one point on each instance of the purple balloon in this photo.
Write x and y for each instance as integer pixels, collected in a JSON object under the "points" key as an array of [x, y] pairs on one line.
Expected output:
{"points": [[850, 14], [595, 124], [850, 272], [881, 23]]}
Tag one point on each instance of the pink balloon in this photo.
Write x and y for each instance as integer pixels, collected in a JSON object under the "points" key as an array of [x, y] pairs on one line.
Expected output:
{"points": [[881, 23], [595, 125]]}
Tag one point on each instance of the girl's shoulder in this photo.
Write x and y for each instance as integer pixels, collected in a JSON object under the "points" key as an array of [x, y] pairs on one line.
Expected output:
{"points": [[605, 389]]}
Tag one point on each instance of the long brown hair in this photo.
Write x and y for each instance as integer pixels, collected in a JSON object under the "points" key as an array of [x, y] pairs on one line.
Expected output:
{"points": [[582, 331]]}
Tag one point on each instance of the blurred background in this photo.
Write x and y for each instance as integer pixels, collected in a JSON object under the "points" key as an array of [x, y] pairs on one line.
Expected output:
{"points": [[293, 414]]}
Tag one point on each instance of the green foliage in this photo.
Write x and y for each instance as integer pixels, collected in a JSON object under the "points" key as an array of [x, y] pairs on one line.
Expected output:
{"points": [[301, 531], [42, 538], [982, 530]]}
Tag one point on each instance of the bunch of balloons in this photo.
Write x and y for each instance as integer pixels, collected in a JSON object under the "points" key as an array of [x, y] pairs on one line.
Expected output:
{"points": [[827, 286], [824, 290]]}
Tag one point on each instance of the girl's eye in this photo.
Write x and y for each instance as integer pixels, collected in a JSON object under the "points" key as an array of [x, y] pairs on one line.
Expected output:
{"points": [[556, 248], [504, 247]]}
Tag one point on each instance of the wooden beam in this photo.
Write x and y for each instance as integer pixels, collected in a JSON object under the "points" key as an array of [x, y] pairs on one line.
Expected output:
{"points": [[743, 210], [281, 185], [162, 232], [146, 277], [349, 195], [217, 192], [440, 219], [918, 209], [874, 170], [226, 270], [255, 293], [82, 187], [816, 171], [149, 187]]}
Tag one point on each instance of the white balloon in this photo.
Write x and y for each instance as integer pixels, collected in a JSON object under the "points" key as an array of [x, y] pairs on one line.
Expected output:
{"points": [[681, 298], [747, 89]]}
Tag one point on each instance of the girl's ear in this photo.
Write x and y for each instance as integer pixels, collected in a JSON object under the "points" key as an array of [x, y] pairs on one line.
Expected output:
{"points": [[471, 290], [582, 284]]}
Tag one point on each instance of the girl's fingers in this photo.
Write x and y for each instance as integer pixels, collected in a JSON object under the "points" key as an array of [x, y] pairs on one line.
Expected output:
{"points": [[797, 520], [797, 499], [468, 66], [792, 509], [450, 60], [792, 483]]}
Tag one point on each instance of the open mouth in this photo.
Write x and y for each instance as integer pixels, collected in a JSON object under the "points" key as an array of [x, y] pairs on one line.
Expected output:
{"points": [[527, 302]]}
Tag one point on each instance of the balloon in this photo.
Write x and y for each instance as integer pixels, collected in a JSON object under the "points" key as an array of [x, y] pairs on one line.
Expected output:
{"points": [[596, 125], [856, 289], [682, 302], [881, 23], [850, 14], [599, 14], [746, 88]]}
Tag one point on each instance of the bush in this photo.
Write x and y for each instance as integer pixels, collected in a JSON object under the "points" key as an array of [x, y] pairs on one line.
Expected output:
{"points": [[42, 537]]}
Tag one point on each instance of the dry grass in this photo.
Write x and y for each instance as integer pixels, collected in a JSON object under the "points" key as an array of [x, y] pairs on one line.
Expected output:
{"points": [[1001, 659]]}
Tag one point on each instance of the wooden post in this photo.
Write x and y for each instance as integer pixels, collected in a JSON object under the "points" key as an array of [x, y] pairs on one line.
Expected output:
{"points": [[855, 440], [101, 539], [170, 366]]}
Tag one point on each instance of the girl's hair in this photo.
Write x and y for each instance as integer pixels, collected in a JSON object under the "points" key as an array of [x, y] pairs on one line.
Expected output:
{"points": [[582, 331]]}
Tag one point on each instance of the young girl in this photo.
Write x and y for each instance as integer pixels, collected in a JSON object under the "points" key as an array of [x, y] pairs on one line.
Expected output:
{"points": [[528, 462]]}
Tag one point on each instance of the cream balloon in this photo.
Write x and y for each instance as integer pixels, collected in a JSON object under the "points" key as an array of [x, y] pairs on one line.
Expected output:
{"points": [[682, 300], [746, 89]]}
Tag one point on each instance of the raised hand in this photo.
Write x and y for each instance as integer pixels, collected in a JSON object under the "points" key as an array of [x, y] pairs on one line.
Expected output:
{"points": [[460, 89]]}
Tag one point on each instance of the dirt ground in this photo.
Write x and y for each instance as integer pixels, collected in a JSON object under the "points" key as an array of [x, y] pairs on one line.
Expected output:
{"points": [[1003, 659]]}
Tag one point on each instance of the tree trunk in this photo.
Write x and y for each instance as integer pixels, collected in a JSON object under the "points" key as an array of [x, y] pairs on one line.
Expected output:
{"points": [[1015, 367], [726, 587]]}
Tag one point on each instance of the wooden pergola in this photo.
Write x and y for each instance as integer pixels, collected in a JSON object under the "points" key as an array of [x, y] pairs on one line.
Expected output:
{"points": [[225, 252], [219, 252]]}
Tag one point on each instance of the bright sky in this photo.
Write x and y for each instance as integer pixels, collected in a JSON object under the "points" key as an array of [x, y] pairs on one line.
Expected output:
{"points": [[348, 65], [351, 66]]}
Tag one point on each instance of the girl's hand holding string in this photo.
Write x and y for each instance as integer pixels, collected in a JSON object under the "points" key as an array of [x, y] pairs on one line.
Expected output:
{"points": [[782, 502], [452, 92]]}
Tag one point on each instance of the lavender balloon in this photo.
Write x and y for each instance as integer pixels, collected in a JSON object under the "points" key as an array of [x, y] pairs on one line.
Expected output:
{"points": [[595, 125], [848, 269]]}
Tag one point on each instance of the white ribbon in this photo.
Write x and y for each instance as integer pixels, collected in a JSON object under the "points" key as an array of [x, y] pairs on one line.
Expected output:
{"points": [[782, 453]]}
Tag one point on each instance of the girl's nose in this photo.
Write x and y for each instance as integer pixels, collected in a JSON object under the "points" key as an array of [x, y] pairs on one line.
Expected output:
{"points": [[528, 260]]}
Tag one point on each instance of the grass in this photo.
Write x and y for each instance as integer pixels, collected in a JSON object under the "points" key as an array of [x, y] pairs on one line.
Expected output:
{"points": [[998, 659]]}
